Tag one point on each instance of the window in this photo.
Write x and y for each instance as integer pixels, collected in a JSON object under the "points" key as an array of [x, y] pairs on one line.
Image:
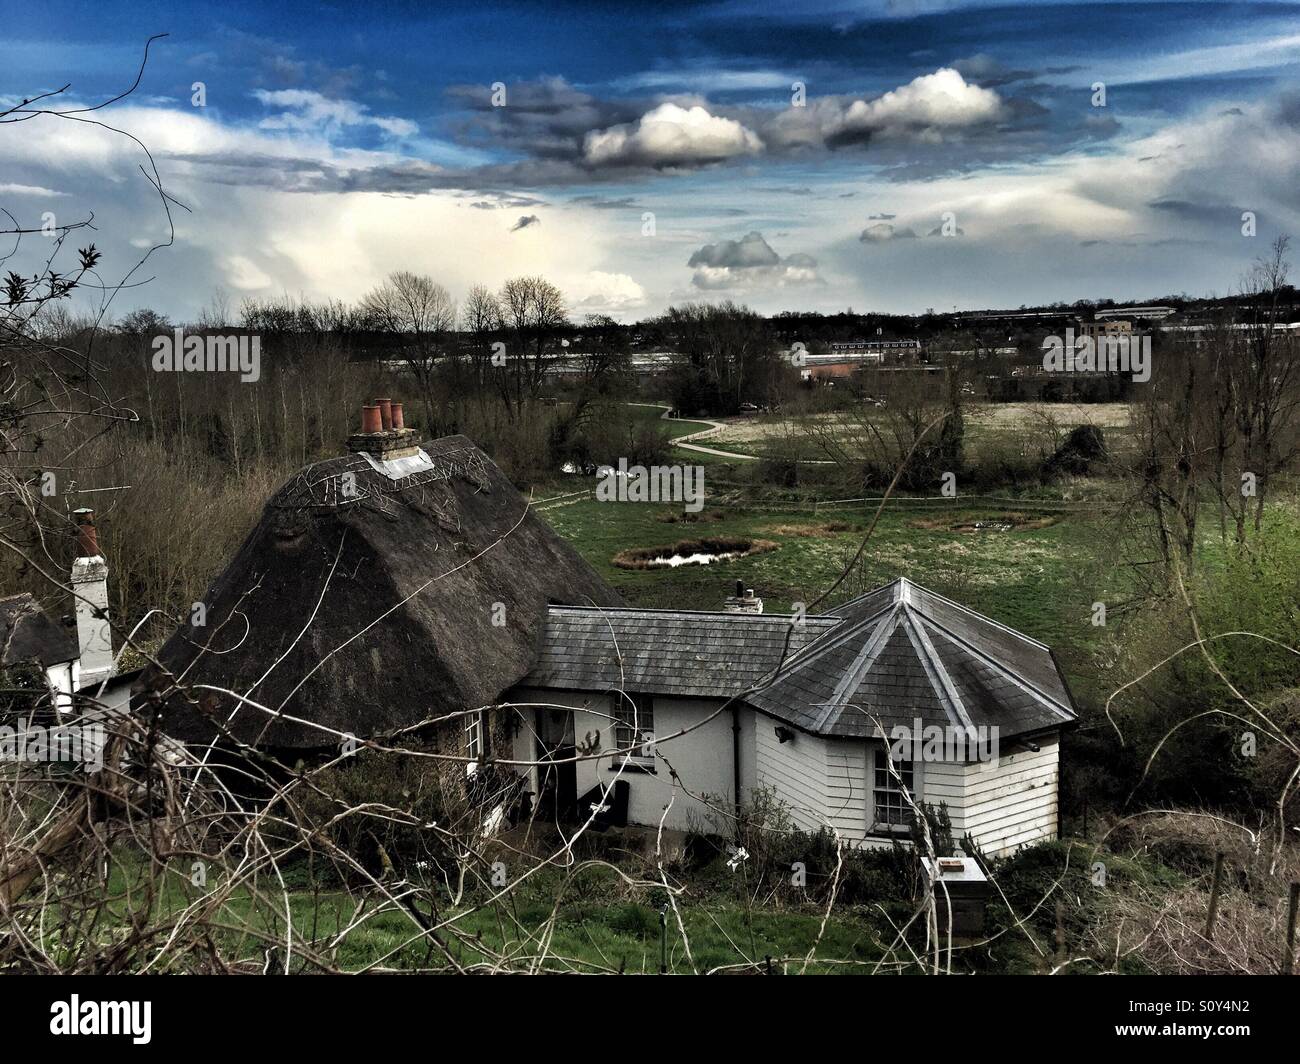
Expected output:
{"points": [[473, 742], [634, 726], [891, 809]]}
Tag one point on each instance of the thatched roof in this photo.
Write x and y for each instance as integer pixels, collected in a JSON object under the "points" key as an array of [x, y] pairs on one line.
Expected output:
{"points": [[27, 634], [365, 603]]}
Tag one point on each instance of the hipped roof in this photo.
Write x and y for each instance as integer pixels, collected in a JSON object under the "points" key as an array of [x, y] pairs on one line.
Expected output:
{"points": [[904, 653], [364, 604]]}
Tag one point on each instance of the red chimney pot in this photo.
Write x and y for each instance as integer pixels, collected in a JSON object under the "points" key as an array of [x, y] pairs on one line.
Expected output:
{"points": [[371, 418], [399, 419], [87, 538], [385, 412]]}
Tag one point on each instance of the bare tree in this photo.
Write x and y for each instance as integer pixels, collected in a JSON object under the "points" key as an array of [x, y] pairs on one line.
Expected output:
{"points": [[424, 314], [726, 356], [533, 315]]}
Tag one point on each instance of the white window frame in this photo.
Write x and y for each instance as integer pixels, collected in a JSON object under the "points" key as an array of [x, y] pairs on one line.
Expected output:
{"points": [[624, 706], [910, 771], [473, 742]]}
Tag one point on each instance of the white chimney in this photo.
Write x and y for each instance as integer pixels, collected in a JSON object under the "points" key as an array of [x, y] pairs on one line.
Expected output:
{"points": [[90, 588]]}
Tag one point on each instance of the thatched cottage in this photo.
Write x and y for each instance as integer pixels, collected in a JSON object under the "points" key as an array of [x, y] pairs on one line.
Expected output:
{"points": [[403, 582]]}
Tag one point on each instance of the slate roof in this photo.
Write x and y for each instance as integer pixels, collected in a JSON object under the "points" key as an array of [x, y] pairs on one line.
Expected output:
{"points": [[669, 652], [27, 634], [889, 656]]}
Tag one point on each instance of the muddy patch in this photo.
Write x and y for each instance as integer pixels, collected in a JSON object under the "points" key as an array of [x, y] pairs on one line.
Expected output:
{"points": [[827, 528], [990, 522]]}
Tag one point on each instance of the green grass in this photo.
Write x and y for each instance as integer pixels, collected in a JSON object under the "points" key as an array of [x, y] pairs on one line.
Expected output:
{"points": [[636, 412], [1026, 578], [591, 930]]}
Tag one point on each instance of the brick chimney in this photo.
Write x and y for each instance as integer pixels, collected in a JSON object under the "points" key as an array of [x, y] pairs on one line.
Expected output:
{"points": [[90, 587], [383, 432], [743, 601]]}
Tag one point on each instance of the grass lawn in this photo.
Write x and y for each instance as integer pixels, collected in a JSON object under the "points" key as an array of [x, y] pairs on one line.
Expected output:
{"points": [[1030, 577], [591, 930]]}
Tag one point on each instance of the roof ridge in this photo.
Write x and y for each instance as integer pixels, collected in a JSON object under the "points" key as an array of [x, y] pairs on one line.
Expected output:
{"points": [[836, 637], [946, 689], [694, 613], [993, 663], [983, 617], [853, 676]]}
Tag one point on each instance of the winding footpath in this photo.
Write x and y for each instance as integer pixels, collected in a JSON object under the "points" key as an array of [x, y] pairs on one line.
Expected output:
{"points": [[714, 428]]}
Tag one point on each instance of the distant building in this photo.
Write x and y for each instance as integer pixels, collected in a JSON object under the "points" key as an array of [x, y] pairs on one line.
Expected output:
{"points": [[875, 350], [1147, 313], [1098, 330]]}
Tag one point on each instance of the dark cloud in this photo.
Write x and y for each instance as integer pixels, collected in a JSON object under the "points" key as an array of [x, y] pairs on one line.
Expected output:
{"points": [[525, 221], [749, 262], [545, 119], [1202, 213], [606, 203]]}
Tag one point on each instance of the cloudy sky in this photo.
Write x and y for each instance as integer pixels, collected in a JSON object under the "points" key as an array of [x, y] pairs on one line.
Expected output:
{"points": [[883, 154]]}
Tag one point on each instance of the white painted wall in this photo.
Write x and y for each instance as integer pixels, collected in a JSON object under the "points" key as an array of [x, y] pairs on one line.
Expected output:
{"points": [[94, 634], [702, 758], [824, 782], [1004, 805]]}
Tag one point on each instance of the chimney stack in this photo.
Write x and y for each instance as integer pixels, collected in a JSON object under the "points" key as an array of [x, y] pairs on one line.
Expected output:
{"points": [[90, 588], [384, 434], [743, 601]]}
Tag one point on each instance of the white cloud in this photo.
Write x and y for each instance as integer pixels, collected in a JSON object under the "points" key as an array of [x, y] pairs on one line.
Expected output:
{"points": [[942, 100], [245, 275], [883, 232], [306, 110], [10, 189], [606, 293], [670, 135], [925, 109]]}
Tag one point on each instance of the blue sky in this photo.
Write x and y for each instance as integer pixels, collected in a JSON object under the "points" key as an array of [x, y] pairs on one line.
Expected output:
{"points": [[941, 154]]}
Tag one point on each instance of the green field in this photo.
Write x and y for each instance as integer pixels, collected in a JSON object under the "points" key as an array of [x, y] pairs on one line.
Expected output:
{"points": [[1036, 578]]}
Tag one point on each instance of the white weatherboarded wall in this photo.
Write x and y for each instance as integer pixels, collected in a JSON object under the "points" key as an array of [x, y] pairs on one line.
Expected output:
{"points": [[824, 781], [1004, 804]]}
